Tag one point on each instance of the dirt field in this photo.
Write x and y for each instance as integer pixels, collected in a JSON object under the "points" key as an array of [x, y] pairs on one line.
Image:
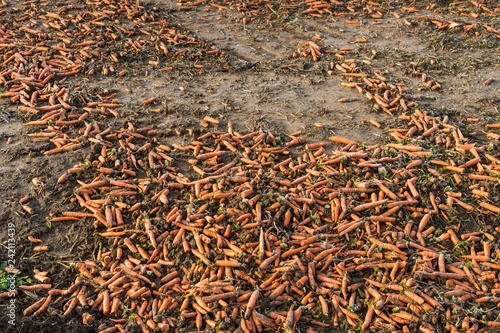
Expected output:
{"points": [[239, 62]]}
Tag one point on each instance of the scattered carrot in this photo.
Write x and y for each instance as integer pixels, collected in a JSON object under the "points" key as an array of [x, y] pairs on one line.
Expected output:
{"points": [[257, 222]]}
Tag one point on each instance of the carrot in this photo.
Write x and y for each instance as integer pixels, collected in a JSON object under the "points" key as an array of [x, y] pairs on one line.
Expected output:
{"points": [[269, 260], [406, 316], [43, 306], [324, 305], [71, 307], [42, 278], [383, 285], [227, 263], [215, 298], [210, 155], [423, 222], [34, 307], [477, 258], [490, 207], [169, 284], [77, 214], [456, 169], [443, 275], [279, 290], [148, 101], [325, 253], [382, 219], [368, 318], [414, 297], [386, 191], [353, 226], [201, 256], [210, 120], [414, 164], [290, 318], [265, 320], [105, 303], [349, 314], [341, 140], [9, 294], [405, 147], [481, 177], [369, 205], [375, 123], [251, 303]]}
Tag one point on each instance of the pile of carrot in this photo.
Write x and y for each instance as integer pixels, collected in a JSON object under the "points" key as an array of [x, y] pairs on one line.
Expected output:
{"points": [[260, 232], [45, 46], [466, 16], [266, 232]]}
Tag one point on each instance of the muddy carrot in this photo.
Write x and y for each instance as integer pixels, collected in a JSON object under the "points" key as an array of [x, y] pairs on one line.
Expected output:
{"points": [[251, 303], [43, 306], [34, 307], [215, 298], [266, 321], [269, 260], [34, 240], [368, 318]]}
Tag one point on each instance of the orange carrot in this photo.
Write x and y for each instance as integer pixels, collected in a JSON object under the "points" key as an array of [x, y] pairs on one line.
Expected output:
{"points": [[369, 205], [490, 207], [341, 140], [251, 303]]}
